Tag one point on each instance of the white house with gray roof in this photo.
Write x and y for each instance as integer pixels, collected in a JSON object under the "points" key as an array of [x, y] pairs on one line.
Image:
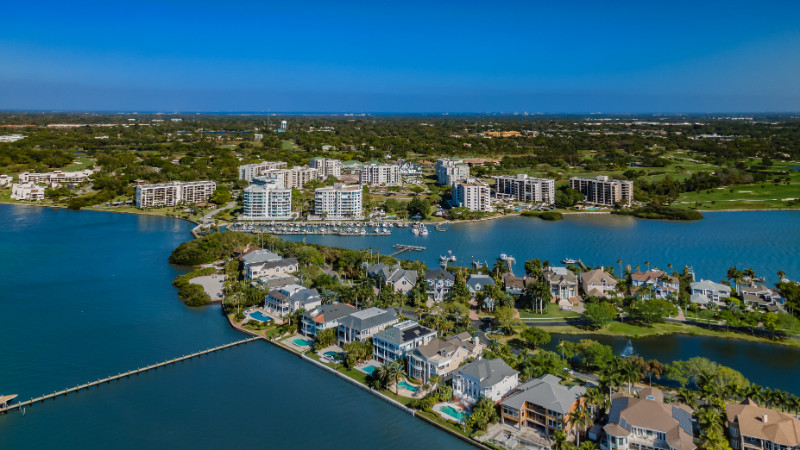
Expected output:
{"points": [[490, 378], [324, 317], [543, 404], [477, 281], [713, 291], [280, 266], [442, 357], [362, 325], [400, 279], [290, 299], [395, 342]]}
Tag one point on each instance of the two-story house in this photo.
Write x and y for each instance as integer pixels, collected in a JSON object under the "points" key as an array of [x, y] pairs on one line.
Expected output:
{"points": [[290, 299], [362, 325], [397, 341], [401, 280], [543, 404], [490, 378], [439, 283], [441, 357], [324, 317], [714, 292], [658, 281], [647, 423], [563, 284], [752, 427], [598, 283]]}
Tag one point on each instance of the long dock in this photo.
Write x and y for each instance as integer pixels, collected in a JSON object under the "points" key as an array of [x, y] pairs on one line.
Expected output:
{"points": [[119, 376], [406, 248]]}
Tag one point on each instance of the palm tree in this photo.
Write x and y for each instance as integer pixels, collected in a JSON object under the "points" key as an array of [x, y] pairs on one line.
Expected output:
{"points": [[595, 399], [559, 441], [587, 445], [781, 399], [580, 419], [619, 261], [687, 397], [629, 374], [781, 274], [735, 275], [393, 373]]}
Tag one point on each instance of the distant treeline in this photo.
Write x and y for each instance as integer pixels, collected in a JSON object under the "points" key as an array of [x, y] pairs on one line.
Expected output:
{"points": [[661, 212]]}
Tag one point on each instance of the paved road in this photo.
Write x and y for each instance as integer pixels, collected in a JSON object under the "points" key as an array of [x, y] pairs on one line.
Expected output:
{"points": [[209, 217]]}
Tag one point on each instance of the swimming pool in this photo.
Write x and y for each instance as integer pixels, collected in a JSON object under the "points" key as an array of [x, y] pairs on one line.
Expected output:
{"points": [[257, 315], [332, 355], [408, 387], [454, 413], [301, 342], [369, 369]]}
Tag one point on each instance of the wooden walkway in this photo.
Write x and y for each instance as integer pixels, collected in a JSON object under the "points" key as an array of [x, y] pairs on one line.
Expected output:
{"points": [[406, 248], [123, 375]]}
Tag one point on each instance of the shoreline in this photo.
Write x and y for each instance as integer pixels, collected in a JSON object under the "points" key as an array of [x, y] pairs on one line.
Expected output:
{"points": [[134, 213], [363, 387]]}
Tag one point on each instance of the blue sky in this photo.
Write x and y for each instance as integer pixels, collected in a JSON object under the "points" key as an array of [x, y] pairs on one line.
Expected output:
{"points": [[501, 56]]}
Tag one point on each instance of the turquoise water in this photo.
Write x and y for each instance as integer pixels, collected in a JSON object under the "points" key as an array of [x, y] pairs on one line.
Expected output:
{"points": [[369, 369], [301, 342], [454, 413], [88, 294], [408, 387], [260, 317], [768, 241]]}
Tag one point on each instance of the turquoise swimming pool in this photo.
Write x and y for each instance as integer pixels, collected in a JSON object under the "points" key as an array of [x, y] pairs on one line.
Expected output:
{"points": [[454, 413], [369, 369], [257, 315], [333, 356], [301, 342], [408, 387]]}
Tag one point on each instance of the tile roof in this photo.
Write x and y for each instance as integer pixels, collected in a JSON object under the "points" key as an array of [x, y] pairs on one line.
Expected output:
{"points": [[675, 420], [763, 423]]}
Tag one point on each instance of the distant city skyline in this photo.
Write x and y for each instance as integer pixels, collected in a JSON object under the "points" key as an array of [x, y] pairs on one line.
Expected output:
{"points": [[336, 57]]}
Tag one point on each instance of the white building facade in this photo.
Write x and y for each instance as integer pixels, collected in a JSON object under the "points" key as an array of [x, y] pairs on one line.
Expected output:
{"points": [[27, 191], [248, 171], [171, 194], [380, 175], [339, 202], [472, 194], [267, 202], [326, 167], [525, 189], [449, 171]]}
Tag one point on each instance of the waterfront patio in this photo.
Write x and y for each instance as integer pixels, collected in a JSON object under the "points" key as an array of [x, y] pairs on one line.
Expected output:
{"points": [[512, 438]]}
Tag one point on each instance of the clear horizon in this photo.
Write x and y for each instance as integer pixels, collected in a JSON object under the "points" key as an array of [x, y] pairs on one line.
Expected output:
{"points": [[360, 57]]}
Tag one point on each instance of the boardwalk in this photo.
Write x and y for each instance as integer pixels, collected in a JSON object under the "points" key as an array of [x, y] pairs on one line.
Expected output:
{"points": [[123, 375], [406, 248]]}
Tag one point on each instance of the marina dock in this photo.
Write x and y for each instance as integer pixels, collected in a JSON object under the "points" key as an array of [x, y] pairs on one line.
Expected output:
{"points": [[120, 376], [401, 248]]}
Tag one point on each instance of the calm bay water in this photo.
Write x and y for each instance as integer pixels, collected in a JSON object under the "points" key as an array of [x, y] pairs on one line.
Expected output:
{"points": [[776, 366], [86, 295], [767, 241]]}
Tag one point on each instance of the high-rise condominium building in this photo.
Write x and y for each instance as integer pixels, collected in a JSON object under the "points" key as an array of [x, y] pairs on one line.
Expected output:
{"points": [[171, 194], [473, 194], [603, 190], [380, 175], [267, 201], [450, 171], [249, 171], [338, 202], [525, 189], [326, 167]]}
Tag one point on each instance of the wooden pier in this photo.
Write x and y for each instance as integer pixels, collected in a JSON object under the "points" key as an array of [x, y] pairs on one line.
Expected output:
{"points": [[406, 248], [122, 375]]}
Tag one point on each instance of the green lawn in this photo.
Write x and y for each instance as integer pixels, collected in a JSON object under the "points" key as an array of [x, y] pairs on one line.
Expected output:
{"points": [[746, 196], [83, 162], [553, 312], [289, 145]]}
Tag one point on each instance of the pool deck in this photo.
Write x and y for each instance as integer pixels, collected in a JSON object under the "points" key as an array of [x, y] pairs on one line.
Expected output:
{"points": [[437, 408], [370, 363], [330, 348], [419, 393], [275, 319], [289, 342]]}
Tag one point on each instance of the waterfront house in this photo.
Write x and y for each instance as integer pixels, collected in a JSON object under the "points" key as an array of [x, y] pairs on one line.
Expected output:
{"points": [[440, 282], [752, 427], [563, 284], [5, 180], [442, 356], [662, 284], [269, 268], [647, 423], [713, 291], [513, 285], [476, 281], [598, 283], [362, 325], [290, 299], [257, 255], [324, 317], [769, 296], [490, 378], [543, 404], [395, 342], [401, 280], [27, 191], [274, 281]]}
